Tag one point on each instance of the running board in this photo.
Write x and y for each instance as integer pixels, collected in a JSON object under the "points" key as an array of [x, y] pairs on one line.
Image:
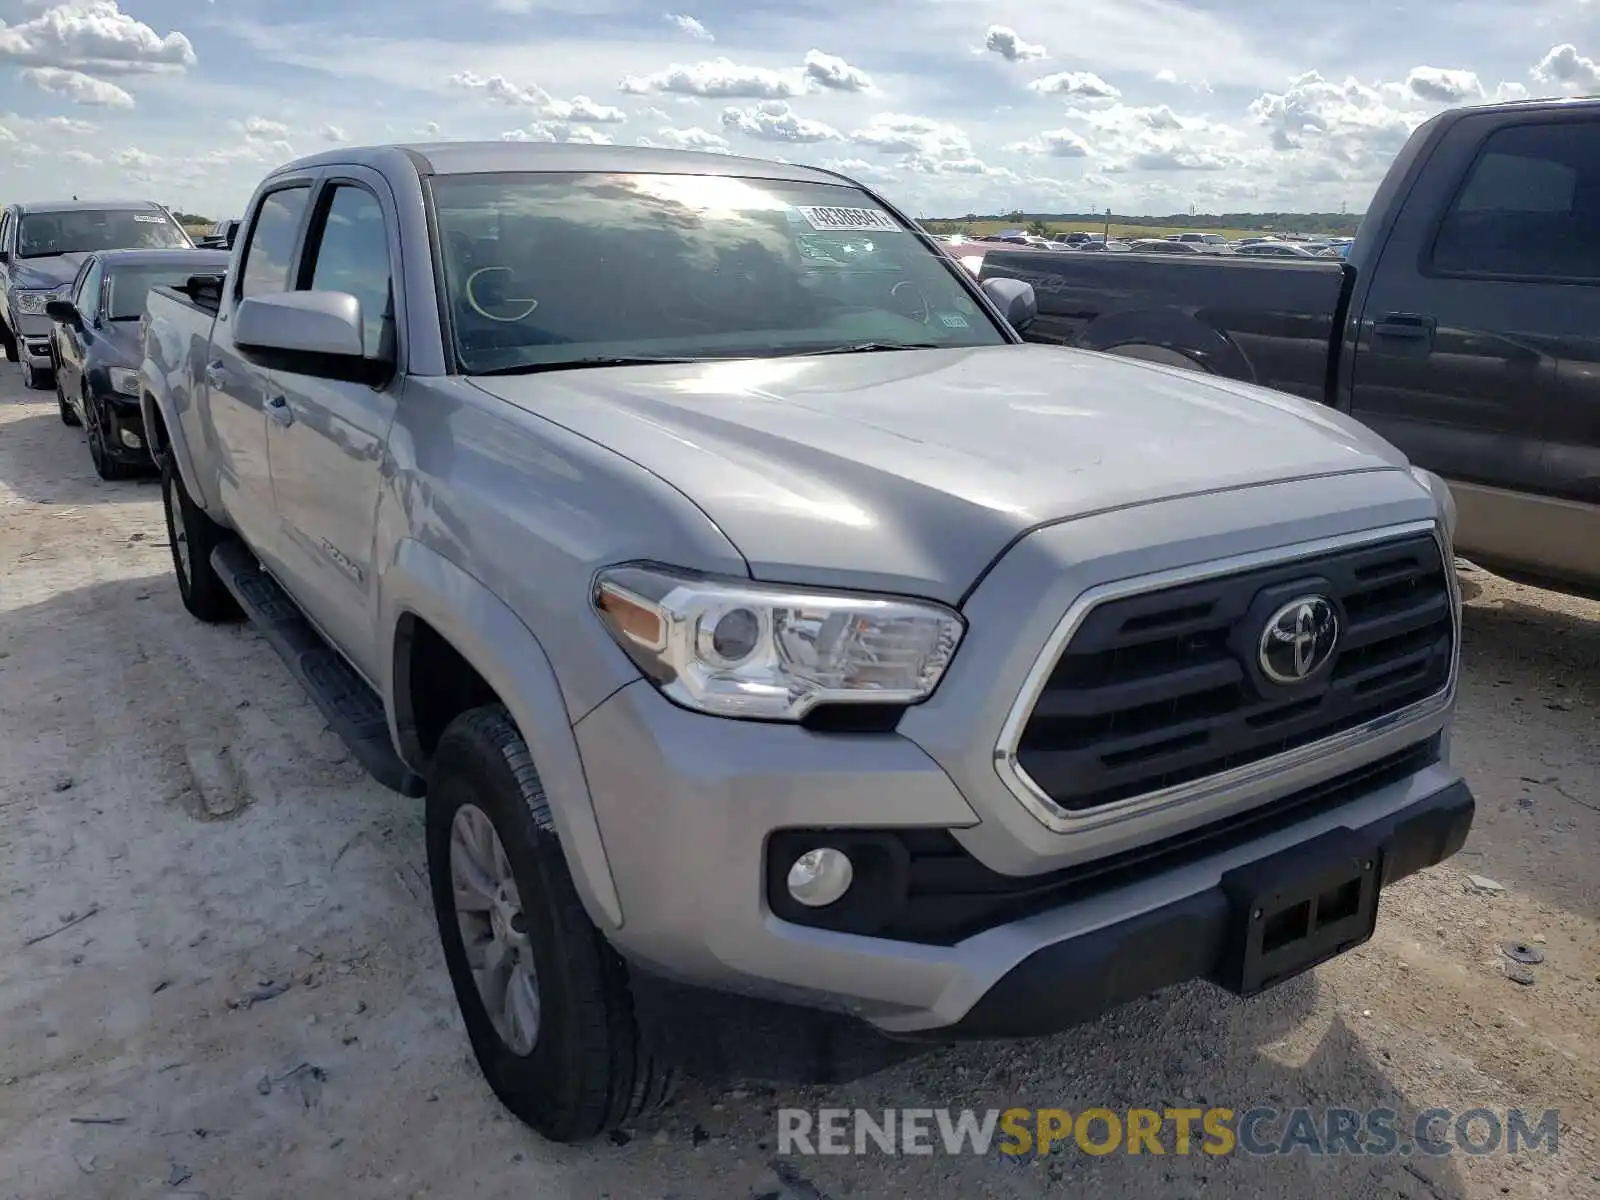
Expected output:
{"points": [[352, 709]]}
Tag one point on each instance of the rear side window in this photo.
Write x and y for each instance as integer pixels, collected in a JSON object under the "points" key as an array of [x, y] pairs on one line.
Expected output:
{"points": [[1530, 207], [268, 254], [352, 256]]}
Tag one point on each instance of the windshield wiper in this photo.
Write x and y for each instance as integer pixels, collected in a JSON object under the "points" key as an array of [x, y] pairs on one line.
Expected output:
{"points": [[874, 347], [573, 364]]}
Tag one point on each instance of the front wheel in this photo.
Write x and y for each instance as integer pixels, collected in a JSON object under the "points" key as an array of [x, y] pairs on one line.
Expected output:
{"points": [[33, 378], [68, 417], [544, 998], [193, 536], [105, 466]]}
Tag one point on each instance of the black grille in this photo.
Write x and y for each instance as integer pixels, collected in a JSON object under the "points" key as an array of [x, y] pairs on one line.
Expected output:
{"points": [[1162, 688]]}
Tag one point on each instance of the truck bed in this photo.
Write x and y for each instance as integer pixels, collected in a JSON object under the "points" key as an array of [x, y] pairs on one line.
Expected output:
{"points": [[1275, 322]]}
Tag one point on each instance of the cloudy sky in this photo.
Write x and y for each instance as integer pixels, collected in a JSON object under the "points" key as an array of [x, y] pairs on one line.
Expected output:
{"points": [[1140, 105]]}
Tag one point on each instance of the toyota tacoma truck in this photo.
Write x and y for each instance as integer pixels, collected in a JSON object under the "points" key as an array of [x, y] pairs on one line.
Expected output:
{"points": [[1463, 325], [765, 623]]}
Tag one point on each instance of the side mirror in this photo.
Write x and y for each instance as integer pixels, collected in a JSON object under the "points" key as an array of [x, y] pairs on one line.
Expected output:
{"points": [[307, 333], [1015, 300], [64, 311]]}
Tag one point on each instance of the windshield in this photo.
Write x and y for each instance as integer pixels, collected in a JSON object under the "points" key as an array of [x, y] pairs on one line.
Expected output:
{"points": [[128, 287], [546, 269], [83, 230]]}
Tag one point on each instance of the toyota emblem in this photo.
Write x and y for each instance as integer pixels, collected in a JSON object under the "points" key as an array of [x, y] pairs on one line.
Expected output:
{"points": [[1298, 640]]}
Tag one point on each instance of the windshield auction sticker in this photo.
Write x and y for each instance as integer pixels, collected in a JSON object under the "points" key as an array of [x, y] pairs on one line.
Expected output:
{"points": [[834, 220]]}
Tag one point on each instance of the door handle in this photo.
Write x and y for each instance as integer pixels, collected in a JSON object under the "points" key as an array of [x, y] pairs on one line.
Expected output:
{"points": [[216, 376], [1403, 325], [278, 409]]}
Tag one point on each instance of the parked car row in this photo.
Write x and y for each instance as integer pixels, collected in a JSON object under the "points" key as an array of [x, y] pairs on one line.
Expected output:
{"points": [[42, 248], [75, 274]]}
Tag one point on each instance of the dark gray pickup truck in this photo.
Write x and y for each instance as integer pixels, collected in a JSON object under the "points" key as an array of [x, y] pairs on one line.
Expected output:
{"points": [[1464, 327]]}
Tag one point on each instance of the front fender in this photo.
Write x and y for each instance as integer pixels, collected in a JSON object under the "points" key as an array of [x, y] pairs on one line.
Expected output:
{"points": [[483, 630], [160, 410]]}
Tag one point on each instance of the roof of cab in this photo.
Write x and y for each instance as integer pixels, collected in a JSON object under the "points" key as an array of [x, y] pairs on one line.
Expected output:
{"points": [[47, 206], [469, 158]]}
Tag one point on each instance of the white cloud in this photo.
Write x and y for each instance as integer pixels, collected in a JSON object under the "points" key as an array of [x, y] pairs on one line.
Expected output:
{"points": [[1175, 159], [52, 126], [80, 157], [78, 87], [692, 138], [921, 141], [1511, 91], [579, 108], [775, 121], [691, 27], [1350, 122], [1444, 85], [834, 74], [1569, 69], [1168, 76], [1084, 85], [94, 36], [718, 78], [1008, 44], [556, 131], [261, 129], [1054, 143], [332, 133]]}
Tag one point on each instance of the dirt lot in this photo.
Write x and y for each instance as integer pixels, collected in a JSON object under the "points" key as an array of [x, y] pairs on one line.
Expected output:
{"points": [[169, 797]]}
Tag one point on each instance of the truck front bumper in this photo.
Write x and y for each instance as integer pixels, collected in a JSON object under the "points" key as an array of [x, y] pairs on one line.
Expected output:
{"points": [[699, 817], [33, 341]]}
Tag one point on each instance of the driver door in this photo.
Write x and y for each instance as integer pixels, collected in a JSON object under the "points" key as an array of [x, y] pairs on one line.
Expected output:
{"points": [[327, 438]]}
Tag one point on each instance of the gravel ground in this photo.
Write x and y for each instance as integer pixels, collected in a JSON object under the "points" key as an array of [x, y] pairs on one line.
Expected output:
{"points": [[170, 797]]}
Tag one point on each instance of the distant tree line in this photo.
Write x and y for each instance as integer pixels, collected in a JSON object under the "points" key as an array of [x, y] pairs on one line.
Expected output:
{"points": [[1321, 224]]}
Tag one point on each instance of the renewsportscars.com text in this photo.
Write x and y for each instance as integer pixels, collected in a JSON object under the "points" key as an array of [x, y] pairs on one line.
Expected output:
{"points": [[1178, 1131]]}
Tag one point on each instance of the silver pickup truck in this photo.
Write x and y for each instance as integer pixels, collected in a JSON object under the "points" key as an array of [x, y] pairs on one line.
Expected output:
{"points": [[766, 625]]}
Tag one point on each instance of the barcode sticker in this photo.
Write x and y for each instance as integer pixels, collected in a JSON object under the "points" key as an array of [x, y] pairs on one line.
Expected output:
{"points": [[144, 219], [833, 220]]}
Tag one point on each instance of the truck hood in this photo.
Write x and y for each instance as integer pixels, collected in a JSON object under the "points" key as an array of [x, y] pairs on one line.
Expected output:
{"points": [[910, 471], [45, 273]]}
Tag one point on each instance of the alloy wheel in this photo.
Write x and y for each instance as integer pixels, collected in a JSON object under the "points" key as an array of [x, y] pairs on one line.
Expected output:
{"points": [[493, 929]]}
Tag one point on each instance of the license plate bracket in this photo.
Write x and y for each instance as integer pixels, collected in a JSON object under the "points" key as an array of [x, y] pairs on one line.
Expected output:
{"points": [[1299, 907]]}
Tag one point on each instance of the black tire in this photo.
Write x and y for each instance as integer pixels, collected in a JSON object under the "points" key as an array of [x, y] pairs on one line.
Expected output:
{"points": [[8, 342], [33, 378], [105, 466], [587, 1071], [68, 417], [204, 594]]}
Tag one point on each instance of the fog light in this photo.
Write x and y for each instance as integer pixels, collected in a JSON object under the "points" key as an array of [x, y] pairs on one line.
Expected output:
{"points": [[130, 439], [819, 877]]}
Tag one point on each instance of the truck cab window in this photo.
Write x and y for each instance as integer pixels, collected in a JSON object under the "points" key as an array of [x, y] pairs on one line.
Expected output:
{"points": [[352, 256], [1530, 207], [271, 247]]}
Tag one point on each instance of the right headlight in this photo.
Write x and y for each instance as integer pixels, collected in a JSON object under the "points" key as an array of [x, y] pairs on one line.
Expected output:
{"points": [[124, 380], [734, 648]]}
